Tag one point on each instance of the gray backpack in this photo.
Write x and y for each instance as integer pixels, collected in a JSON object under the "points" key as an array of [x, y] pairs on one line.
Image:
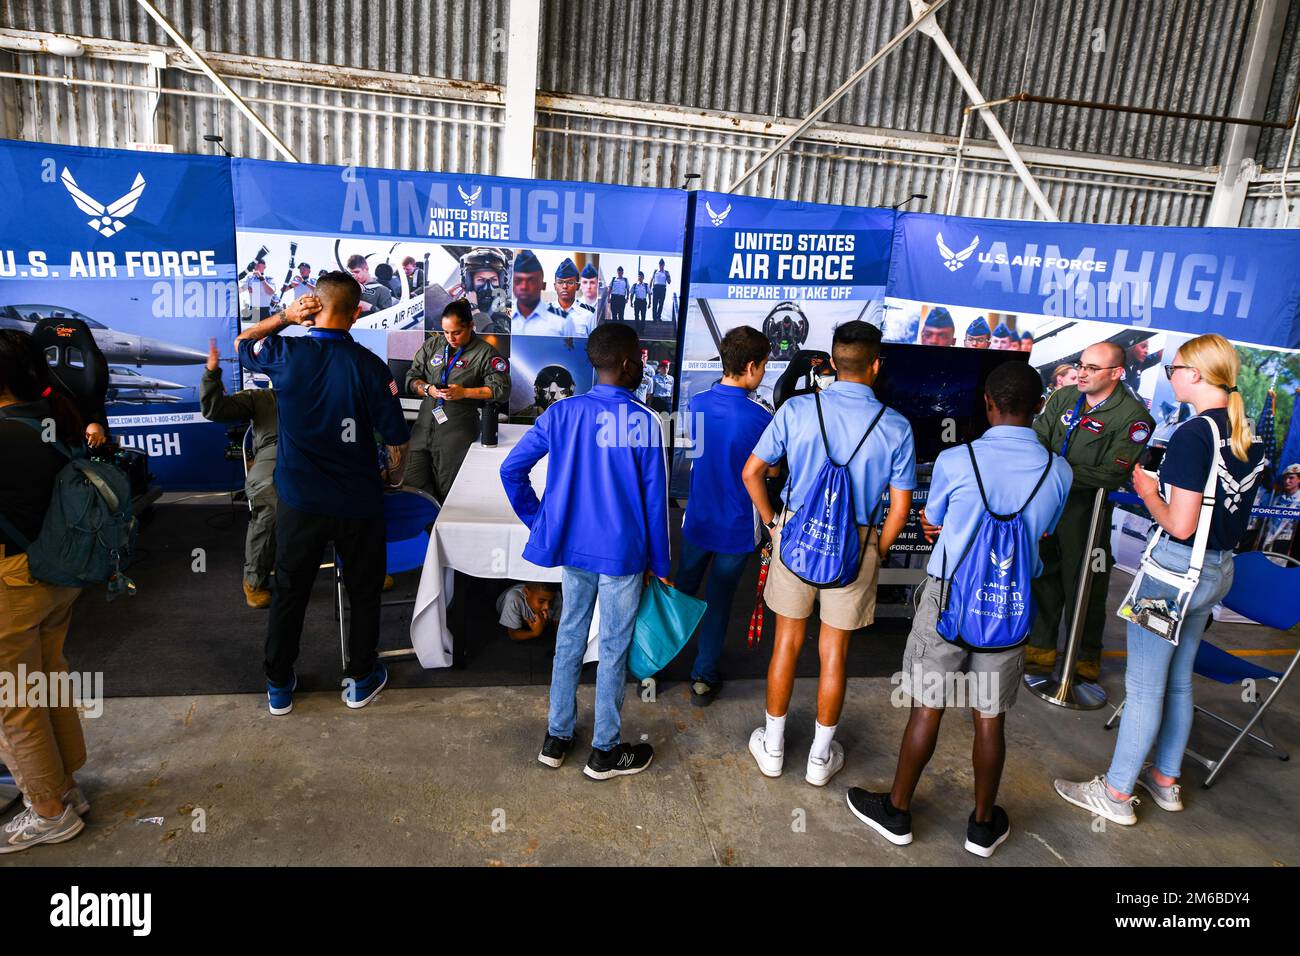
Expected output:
{"points": [[90, 529]]}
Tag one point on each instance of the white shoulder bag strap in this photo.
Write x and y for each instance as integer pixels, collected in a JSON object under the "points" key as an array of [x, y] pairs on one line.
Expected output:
{"points": [[1185, 581]]}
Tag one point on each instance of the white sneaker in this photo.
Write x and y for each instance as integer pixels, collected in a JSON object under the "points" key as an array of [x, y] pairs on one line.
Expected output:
{"points": [[769, 764], [29, 829], [1093, 797], [820, 771]]}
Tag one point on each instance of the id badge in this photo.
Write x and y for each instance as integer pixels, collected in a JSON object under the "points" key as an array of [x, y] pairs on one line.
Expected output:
{"points": [[439, 415]]}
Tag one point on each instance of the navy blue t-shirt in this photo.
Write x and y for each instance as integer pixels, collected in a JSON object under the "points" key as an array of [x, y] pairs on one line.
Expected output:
{"points": [[726, 425], [333, 395], [1187, 464]]}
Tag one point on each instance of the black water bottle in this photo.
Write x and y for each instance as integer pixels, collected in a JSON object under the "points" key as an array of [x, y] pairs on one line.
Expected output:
{"points": [[487, 429]]}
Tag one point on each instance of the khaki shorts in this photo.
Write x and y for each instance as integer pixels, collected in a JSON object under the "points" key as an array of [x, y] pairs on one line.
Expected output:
{"points": [[940, 674], [847, 608]]}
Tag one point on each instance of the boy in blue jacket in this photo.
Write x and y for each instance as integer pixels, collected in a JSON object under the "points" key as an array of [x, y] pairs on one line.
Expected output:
{"points": [[604, 519]]}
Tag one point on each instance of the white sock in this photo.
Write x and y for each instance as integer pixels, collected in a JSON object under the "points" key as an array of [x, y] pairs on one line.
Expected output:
{"points": [[774, 734], [821, 745]]}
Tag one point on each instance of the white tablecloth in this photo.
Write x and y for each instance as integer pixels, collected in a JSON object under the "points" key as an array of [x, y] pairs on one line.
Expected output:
{"points": [[477, 533]]}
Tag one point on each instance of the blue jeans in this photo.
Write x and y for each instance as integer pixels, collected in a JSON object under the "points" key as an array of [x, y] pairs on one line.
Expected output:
{"points": [[619, 599], [727, 569], [1158, 678]]}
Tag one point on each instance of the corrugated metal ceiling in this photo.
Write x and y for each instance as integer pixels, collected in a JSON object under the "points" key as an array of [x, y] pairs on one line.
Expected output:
{"points": [[766, 58]]}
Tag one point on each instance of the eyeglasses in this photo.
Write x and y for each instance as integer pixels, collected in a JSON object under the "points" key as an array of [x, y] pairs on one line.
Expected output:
{"points": [[1094, 369], [1170, 369], [566, 283]]}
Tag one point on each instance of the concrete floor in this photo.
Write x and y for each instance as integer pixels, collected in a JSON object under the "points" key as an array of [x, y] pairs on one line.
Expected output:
{"points": [[450, 777]]}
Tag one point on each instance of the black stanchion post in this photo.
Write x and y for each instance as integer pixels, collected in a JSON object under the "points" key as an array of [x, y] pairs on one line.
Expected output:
{"points": [[1063, 690]]}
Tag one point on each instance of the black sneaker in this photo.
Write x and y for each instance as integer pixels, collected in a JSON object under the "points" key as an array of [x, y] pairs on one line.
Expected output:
{"points": [[618, 761], [983, 838], [870, 808], [554, 750], [702, 692]]}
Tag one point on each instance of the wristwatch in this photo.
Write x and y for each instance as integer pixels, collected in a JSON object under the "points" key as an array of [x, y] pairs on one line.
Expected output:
{"points": [[771, 525]]}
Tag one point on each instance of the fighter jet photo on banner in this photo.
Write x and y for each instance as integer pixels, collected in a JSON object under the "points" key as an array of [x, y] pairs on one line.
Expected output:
{"points": [[139, 247]]}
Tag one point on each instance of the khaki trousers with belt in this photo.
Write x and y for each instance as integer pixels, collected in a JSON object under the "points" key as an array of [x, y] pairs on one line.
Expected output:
{"points": [[41, 745]]}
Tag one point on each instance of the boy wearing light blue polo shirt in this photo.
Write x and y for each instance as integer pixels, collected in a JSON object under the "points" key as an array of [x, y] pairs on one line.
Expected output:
{"points": [[720, 527], [884, 458], [938, 674]]}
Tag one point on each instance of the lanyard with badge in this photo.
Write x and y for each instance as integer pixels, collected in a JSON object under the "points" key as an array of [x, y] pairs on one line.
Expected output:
{"points": [[1077, 417], [439, 414]]}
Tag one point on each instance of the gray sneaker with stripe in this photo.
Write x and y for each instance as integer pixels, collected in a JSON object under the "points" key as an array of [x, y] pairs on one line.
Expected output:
{"points": [[1166, 798], [29, 828], [1095, 798]]}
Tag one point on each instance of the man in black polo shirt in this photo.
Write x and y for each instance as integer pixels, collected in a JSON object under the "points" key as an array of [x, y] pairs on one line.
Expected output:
{"points": [[333, 396]]}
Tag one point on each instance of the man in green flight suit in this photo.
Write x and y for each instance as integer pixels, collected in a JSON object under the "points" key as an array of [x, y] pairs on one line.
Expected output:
{"points": [[1100, 429], [256, 405], [455, 373]]}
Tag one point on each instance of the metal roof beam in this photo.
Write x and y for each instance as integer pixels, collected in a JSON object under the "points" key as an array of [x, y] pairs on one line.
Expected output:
{"points": [[249, 113]]}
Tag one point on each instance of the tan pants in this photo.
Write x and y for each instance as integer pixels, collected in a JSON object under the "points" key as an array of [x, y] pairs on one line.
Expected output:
{"points": [[41, 746], [848, 608]]}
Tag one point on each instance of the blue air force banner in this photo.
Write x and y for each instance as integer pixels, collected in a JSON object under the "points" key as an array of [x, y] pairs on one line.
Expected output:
{"points": [[541, 263], [139, 246]]}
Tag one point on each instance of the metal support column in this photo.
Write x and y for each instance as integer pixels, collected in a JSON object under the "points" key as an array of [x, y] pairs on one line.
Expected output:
{"points": [[515, 152], [1237, 167]]}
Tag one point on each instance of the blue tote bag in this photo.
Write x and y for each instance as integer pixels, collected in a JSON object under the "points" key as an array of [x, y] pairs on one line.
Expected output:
{"points": [[665, 621]]}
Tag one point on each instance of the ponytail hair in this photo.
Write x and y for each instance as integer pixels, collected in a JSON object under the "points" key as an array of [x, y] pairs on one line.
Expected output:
{"points": [[1218, 363]]}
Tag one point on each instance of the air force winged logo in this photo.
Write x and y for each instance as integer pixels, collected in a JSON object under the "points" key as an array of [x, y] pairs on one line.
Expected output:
{"points": [[955, 260], [718, 217], [105, 219], [1003, 565], [470, 198]]}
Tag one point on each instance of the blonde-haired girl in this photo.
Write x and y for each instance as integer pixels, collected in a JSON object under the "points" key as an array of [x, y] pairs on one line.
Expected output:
{"points": [[1158, 677]]}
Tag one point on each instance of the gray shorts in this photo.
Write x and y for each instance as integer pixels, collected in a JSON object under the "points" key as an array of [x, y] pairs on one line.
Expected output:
{"points": [[939, 674]]}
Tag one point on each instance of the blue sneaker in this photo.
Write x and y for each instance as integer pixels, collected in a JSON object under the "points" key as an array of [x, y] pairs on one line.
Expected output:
{"points": [[279, 699], [359, 692]]}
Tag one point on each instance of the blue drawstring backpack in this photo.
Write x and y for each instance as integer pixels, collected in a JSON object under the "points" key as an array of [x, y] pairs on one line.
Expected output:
{"points": [[987, 605], [819, 544], [665, 621]]}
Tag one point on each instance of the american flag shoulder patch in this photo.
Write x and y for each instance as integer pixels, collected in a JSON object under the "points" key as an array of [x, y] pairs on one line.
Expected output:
{"points": [[392, 386]]}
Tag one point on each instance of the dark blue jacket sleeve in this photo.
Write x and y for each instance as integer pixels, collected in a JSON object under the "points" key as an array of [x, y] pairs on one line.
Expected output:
{"points": [[531, 448], [268, 355], [654, 479]]}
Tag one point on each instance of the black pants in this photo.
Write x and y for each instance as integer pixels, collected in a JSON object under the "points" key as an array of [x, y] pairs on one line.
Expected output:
{"points": [[300, 540], [617, 303], [657, 300], [638, 311]]}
